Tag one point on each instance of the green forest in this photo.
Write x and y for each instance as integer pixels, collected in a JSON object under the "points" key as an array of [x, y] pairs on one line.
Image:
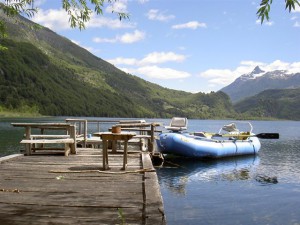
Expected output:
{"points": [[281, 104]]}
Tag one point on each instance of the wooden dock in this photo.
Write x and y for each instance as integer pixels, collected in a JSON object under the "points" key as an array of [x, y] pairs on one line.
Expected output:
{"points": [[54, 189]]}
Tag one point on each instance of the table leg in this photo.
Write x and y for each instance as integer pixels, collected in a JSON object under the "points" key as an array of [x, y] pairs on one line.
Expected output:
{"points": [[105, 155], [114, 146], [125, 155]]}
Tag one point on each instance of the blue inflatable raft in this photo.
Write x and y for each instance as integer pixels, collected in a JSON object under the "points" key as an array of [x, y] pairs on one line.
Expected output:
{"points": [[201, 147], [208, 145]]}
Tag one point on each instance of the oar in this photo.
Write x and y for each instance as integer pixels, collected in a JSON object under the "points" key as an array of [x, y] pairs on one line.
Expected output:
{"points": [[261, 135], [268, 135]]}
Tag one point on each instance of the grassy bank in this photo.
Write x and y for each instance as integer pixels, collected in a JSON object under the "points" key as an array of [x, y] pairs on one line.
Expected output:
{"points": [[15, 113]]}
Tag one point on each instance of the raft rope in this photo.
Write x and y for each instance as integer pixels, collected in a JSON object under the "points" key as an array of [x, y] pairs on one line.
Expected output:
{"points": [[100, 171]]}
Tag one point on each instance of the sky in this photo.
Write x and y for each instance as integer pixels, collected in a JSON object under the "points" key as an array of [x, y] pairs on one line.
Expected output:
{"points": [[189, 45]]}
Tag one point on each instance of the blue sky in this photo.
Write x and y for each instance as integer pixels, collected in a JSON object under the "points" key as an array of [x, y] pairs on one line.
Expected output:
{"points": [[190, 45]]}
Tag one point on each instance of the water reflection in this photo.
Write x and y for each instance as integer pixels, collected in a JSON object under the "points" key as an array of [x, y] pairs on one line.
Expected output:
{"points": [[176, 173]]}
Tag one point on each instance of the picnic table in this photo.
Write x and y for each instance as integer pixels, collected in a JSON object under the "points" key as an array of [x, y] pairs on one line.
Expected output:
{"points": [[69, 139]]}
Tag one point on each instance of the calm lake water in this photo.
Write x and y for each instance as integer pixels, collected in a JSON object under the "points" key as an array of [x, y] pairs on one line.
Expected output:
{"points": [[262, 189]]}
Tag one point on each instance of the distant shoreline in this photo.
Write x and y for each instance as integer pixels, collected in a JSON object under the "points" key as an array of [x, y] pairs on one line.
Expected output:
{"points": [[8, 114]]}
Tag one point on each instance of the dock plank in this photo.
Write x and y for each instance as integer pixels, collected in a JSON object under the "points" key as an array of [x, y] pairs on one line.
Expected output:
{"points": [[51, 189]]}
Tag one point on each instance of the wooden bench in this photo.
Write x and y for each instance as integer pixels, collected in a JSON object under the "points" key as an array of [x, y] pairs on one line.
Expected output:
{"points": [[50, 136], [67, 141]]}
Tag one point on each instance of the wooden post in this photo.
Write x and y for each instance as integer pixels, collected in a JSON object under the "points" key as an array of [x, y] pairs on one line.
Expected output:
{"points": [[79, 128], [85, 133], [125, 155], [28, 146], [72, 131], [42, 132], [105, 155], [152, 139]]}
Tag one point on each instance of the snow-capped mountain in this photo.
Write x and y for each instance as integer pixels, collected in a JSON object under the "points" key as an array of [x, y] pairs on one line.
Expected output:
{"points": [[258, 80]]}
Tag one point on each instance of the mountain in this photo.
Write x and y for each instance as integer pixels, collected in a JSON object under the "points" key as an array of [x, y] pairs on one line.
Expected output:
{"points": [[282, 104], [44, 72], [258, 80]]}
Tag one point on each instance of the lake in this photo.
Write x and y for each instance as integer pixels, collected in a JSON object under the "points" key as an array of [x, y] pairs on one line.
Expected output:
{"points": [[261, 189]]}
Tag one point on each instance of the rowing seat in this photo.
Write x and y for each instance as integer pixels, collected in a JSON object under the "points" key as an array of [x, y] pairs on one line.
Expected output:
{"points": [[177, 124]]}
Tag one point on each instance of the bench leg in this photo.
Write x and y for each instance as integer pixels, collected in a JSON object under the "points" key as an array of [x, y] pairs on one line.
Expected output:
{"points": [[28, 149], [67, 149], [73, 148]]}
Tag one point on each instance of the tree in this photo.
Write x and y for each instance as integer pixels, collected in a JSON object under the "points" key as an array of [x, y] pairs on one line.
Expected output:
{"points": [[265, 6], [79, 11]]}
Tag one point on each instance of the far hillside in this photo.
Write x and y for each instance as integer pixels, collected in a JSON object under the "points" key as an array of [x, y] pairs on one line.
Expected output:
{"points": [[46, 73], [282, 104]]}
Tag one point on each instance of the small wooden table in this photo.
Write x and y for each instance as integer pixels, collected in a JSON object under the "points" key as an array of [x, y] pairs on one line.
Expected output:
{"points": [[109, 136]]}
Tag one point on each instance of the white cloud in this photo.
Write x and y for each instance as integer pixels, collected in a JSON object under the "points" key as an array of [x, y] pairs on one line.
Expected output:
{"points": [[297, 24], [101, 21], [190, 25], [127, 38], [162, 57], [105, 40], [118, 6], [296, 10], [151, 58], [147, 66], [224, 77], [294, 18], [143, 1], [276, 65], [161, 73], [155, 14], [53, 19], [218, 76], [123, 61], [266, 23], [58, 19], [269, 23], [294, 67]]}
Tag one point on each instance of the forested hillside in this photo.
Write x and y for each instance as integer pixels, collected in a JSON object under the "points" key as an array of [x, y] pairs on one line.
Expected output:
{"points": [[29, 78], [283, 104], [43, 72]]}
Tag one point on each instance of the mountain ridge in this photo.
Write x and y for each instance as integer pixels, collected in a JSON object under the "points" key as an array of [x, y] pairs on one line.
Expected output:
{"points": [[258, 80]]}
